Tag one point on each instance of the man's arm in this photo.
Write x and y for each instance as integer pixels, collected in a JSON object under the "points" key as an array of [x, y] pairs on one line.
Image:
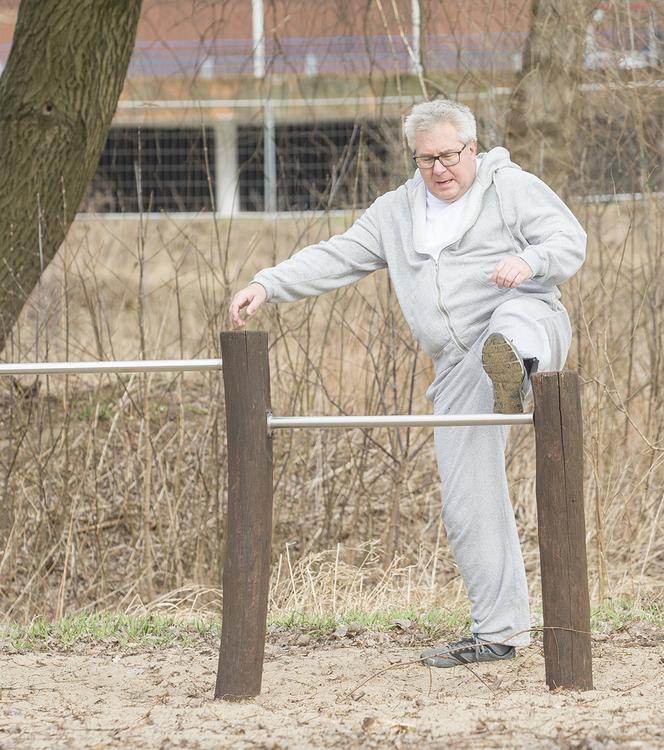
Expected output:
{"points": [[318, 268], [553, 241]]}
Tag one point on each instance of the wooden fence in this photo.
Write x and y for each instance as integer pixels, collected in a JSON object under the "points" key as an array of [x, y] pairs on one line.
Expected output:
{"points": [[560, 511]]}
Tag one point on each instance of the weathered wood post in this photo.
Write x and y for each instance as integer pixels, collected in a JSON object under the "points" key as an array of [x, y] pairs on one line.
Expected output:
{"points": [[249, 528], [562, 530]]}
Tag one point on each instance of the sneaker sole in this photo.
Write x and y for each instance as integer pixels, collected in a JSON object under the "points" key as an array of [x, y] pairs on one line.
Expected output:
{"points": [[504, 367]]}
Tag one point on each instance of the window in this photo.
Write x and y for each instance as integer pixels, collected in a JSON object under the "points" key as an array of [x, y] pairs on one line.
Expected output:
{"points": [[318, 166], [154, 169]]}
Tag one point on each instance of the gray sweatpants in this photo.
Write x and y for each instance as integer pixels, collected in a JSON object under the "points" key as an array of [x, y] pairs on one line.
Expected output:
{"points": [[477, 511]]}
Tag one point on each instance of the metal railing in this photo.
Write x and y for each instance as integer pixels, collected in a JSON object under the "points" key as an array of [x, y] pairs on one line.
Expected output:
{"points": [[273, 422], [119, 366], [399, 420]]}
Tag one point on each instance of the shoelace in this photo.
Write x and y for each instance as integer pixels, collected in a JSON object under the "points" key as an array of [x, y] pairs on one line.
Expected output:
{"points": [[468, 646]]}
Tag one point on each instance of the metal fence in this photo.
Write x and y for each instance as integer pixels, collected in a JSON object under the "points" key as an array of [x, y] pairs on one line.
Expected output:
{"points": [[294, 166], [324, 165], [145, 170]]}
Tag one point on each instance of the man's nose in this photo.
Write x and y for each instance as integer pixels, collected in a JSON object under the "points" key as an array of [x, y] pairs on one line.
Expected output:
{"points": [[438, 168]]}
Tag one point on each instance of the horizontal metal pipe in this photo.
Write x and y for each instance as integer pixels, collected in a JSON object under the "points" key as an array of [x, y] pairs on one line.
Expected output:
{"points": [[399, 420], [84, 368], [199, 104]]}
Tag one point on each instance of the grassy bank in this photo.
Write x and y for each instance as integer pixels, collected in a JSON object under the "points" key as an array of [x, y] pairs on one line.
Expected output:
{"points": [[131, 631], [113, 488]]}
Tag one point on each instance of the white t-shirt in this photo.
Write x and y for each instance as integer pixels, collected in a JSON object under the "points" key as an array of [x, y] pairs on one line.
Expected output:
{"points": [[445, 218]]}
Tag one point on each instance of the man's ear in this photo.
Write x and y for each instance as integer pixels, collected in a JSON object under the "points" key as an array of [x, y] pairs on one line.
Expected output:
{"points": [[472, 147]]}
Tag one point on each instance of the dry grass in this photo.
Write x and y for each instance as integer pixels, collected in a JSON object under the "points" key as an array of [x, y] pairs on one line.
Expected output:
{"points": [[113, 487]]}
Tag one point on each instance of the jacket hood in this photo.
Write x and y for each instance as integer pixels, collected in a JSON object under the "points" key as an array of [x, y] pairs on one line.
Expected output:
{"points": [[491, 161]]}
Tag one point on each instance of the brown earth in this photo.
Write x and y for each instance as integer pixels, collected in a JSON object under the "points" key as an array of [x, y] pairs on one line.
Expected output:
{"points": [[331, 693]]}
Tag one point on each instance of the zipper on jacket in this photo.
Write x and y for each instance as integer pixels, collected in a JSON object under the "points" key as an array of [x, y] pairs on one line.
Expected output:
{"points": [[445, 312]]}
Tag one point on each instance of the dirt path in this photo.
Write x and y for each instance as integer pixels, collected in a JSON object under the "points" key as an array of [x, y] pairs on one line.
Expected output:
{"points": [[100, 697]]}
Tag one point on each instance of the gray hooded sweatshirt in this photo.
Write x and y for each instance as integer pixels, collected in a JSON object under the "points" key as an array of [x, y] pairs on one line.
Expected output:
{"points": [[447, 297]]}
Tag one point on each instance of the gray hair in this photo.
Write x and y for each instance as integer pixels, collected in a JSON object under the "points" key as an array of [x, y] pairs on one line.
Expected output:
{"points": [[427, 115]]}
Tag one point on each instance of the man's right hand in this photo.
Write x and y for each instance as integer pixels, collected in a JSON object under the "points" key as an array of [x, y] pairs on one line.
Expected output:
{"points": [[251, 297]]}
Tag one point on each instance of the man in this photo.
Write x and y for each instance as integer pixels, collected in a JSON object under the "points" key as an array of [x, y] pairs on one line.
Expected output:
{"points": [[475, 248]]}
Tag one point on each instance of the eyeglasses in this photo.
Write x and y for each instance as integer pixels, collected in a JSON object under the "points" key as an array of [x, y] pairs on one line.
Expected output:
{"points": [[448, 159]]}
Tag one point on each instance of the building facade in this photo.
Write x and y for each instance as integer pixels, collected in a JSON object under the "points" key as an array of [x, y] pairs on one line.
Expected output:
{"points": [[285, 105]]}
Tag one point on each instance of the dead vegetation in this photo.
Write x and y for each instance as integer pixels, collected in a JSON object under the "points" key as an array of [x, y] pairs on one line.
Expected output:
{"points": [[112, 488]]}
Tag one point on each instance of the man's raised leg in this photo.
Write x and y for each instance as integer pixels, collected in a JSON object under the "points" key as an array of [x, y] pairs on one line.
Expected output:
{"points": [[477, 510]]}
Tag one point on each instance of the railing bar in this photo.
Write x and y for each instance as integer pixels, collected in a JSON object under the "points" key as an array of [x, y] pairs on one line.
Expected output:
{"points": [[399, 420], [82, 368]]}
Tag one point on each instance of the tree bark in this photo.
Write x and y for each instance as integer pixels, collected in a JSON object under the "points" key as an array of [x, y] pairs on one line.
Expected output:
{"points": [[58, 94], [541, 122]]}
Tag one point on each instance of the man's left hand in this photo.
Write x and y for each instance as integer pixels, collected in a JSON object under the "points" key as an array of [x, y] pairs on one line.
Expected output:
{"points": [[511, 272]]}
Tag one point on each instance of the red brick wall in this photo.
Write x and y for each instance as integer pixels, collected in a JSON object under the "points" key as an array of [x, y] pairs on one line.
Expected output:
{"points": [[8, 10], [173, 20]]}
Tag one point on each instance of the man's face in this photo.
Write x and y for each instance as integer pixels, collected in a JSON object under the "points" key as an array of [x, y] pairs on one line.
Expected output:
{"points": [[446, 183]]}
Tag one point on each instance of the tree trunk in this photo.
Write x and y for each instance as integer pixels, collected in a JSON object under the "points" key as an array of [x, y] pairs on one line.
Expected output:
{"points": [[541, 123], [58, 94]]}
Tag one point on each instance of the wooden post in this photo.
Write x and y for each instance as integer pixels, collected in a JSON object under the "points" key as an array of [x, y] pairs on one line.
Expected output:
{"points": [[249, 529], [562, 530]]}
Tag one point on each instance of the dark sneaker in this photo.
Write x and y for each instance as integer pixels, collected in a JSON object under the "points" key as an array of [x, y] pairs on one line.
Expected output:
{"points": [[506, 370], [465, 651]]}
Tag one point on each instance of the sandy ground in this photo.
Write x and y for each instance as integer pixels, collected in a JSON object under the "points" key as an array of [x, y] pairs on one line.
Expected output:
{"points": [[101, 696]]}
